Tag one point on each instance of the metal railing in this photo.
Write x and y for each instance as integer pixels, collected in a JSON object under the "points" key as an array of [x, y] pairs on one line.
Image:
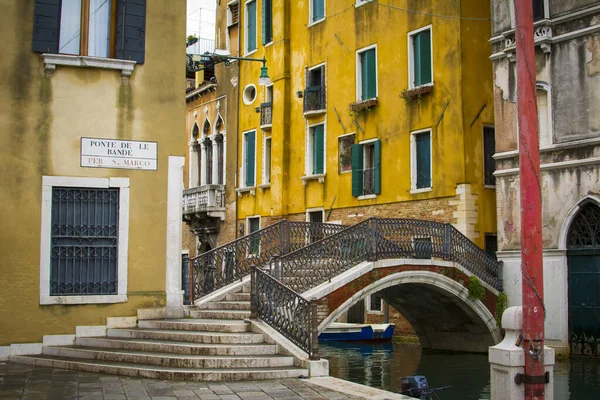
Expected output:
{"points": [[266, 114], [314, 98], [203, 198], [228, 263], [275, 297], [286, 311]]}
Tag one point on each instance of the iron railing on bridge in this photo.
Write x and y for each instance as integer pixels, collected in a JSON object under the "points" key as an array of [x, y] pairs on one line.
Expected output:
{"points": [[231, 262], [371, 240]]}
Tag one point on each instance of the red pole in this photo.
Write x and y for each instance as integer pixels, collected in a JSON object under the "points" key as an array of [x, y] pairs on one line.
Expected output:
{"points": [[531, 204]]}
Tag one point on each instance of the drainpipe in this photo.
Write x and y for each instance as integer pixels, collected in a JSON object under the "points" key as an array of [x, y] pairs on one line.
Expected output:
{"points": [[531, 206], [237, 129]]}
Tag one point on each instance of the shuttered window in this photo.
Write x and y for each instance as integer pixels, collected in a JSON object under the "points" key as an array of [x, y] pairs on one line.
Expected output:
{"points": [[97, 28], [318, 142], [422, 160], [538, 10], [366, 168], [489, 148], [421, 52], [318, 10], [249, 158], [251, 26], [368, 74], [267, 21], [254, 226]]}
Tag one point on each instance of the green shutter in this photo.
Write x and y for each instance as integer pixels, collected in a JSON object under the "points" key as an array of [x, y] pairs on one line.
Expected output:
{"points": [[423, 160], [357, 170], [267, 21], [422, 57], [318, 9], [251, 25], [318, 149], [130, 34], [377, 167], [368, 75], [46, 26], [250, 156]]}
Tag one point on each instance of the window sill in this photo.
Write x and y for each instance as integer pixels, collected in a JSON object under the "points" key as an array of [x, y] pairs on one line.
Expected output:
{"points": [[311, 24], [52, 60], [99, 299], [348, 171], [249, 189], [314, 112], [367, 197], [264, 186], [362, 3], [268, 44], [417, 91], [306, 178], [250, 52], [493, 187], [424, 190]]}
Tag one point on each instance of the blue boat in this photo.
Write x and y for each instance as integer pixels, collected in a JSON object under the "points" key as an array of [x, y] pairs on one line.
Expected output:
{"points": [[345, 331]]}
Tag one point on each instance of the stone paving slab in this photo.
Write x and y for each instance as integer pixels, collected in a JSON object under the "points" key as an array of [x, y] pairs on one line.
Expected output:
{"points": [[24, 382]]}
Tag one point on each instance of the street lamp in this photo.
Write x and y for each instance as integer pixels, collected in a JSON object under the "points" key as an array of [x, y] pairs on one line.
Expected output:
{"points": [[200, 62]]}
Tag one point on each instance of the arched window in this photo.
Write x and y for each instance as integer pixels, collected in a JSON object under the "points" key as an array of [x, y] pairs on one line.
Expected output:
{"points": [[209, 160], [195, 158], [584, 232], [220, 130]]}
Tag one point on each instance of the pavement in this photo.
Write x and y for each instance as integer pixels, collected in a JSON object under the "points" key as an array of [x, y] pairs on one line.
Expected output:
{"points": [[29, 382]]}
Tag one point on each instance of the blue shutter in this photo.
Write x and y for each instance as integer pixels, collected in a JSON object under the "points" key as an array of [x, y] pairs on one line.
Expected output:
{"points": [[251, 26], [318, 9], [422, 58], [46, 26], [130, 32], [250, 157], [267, 21], [377, 167], [357, 170], [423, 160], [318, 149]]}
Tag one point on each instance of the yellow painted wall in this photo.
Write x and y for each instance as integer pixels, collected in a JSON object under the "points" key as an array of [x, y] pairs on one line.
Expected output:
{"points": [[462, 79], [43, 118]]}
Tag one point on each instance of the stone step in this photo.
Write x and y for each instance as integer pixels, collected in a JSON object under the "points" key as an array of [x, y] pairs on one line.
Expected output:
{"points": [[246, 288], [220, 314], [176, 347], [158, 372], [229, 305], [192, 324], [187, 336], [169, 359], [237, 297]]}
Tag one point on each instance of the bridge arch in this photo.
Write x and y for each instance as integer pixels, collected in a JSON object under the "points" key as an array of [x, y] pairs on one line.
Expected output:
{"points": [[439, 308]]}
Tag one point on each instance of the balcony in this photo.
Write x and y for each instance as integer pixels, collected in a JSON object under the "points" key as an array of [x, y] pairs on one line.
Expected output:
{"points": [[204, 201], [314, 100], [266, 115]]}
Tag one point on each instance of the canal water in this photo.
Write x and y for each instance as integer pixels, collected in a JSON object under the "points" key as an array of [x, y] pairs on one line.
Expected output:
{"points": [[382, 365]]}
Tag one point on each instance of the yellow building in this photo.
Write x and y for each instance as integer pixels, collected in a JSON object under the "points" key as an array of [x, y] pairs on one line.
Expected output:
{"points": [[91, 174], [376, 108]]}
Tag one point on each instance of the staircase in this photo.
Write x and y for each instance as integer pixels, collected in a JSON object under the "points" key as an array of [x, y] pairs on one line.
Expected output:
{"points": [[213, 344]]}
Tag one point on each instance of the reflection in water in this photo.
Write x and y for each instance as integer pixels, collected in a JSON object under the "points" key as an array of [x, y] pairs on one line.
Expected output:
{"points": [[382, 365]]}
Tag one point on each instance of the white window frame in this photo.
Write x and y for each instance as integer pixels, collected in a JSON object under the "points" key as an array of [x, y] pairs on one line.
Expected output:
{"points": [[362, 3], [242, 183], [230, 14], [248, 101], [513, 17], [411, 57], [266, 172], [368, 305], [548, 89], [348, 171], [246, 52], [248, 233], [315, 209], [413, 161], [359, 72], [366, 196], [308, 156], [48, 183], [322, 66], [310, 13]]}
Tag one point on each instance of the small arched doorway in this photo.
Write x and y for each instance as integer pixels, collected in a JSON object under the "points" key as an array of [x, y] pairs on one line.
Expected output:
{"points": [[583, 260]]}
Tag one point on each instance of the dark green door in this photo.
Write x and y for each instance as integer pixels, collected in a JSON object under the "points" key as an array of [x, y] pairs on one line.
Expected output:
{"points": [[583, 258]]}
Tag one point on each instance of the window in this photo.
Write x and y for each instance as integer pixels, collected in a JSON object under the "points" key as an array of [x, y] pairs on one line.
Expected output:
{"points": [[366, 74], [314, 94], [316, 230], [220, 159], [420, 57], [317, 10], [208, 148], [345, 152], [232, 13], [423, 248], [249, 152], [267, 21], [489, 148], [266, 178], [366, 168], [253, 226], [420, 176], [249, 94], [250, 26], [539, 11], [84, 240], [89, 27], [375, 303], [544, 115], [491, 245], [316, 150], [361, 2]]}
